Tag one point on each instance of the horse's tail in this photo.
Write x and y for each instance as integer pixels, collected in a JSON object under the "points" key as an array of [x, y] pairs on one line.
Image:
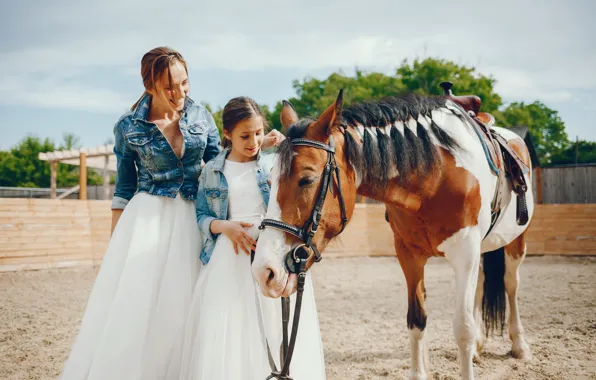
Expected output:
{"points": [[494, 301]]}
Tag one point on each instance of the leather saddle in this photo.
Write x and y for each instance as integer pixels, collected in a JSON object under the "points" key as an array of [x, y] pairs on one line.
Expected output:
{"points": [[503, 160]]}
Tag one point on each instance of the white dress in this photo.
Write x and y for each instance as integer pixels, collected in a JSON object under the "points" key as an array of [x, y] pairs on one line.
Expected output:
{"points": [[137, 309], [224, 335]]}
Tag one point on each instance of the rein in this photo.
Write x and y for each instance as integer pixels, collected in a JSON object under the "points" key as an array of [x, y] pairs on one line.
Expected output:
{"points": [[297, 258]]}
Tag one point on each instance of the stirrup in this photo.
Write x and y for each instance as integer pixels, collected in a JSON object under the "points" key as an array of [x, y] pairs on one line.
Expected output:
{"points": [[521, 214]]}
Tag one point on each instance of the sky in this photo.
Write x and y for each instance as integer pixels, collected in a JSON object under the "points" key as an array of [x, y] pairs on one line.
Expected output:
{"points": [[73, 66]]}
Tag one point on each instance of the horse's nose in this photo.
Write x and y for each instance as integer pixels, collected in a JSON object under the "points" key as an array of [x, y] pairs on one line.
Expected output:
{"points": [[271, 275]]}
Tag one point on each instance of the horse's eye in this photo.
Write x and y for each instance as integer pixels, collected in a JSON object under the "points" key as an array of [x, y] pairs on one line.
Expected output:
{"points": [[305, 181]]}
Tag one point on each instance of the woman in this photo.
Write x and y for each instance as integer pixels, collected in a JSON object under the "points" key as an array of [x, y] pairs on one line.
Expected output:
{"points": [[140, 300]]}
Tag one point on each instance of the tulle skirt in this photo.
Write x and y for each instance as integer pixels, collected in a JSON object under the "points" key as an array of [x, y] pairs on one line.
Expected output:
{"points": [[135, 315], [226, 337]]}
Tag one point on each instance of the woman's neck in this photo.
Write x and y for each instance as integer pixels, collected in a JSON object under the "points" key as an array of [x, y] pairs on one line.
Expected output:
{"points": [[159, 111]]}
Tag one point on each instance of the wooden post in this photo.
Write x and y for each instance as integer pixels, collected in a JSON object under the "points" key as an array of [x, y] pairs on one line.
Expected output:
{"points": [[106, 179], [82, 176], [53, 176], [538, 173]]}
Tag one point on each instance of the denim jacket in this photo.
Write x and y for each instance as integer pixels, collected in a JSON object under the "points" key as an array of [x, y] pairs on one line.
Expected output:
{"points": [[212, 198], [159, 171]]}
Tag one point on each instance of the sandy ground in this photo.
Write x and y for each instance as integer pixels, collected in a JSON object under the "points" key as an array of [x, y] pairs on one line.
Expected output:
{"points": [[362, 307]]}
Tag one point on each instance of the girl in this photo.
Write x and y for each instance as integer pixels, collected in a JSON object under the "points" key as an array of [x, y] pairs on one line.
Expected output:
{"points": [[136, 312], [224, 336]]}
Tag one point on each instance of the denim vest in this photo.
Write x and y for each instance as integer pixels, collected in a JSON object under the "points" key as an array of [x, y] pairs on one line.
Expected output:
{"points": [[158, 170], [212, 198]]}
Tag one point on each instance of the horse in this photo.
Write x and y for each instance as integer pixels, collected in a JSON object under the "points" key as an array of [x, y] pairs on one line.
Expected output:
{"points": [[424, 159]]}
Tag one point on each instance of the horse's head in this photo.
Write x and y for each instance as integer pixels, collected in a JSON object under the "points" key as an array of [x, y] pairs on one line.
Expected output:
{"points": [[313, 192]]}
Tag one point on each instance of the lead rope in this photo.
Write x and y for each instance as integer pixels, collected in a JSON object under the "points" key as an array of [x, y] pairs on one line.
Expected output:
{"points": [[288, 349]]}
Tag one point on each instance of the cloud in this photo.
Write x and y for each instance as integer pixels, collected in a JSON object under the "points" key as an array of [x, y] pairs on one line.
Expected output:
{"points": [[57, 52], [63, 94]]}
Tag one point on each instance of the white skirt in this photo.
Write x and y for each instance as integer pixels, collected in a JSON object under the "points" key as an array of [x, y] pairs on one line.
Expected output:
{"points": [[224, 338], [138, 306]]}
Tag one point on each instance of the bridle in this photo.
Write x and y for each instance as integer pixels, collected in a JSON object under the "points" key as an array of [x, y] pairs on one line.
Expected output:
{"points": [[297, 258]]}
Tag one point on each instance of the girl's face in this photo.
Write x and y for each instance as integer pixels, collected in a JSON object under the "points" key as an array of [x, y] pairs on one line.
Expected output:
{"points": [[247, 138], [171, 97]]}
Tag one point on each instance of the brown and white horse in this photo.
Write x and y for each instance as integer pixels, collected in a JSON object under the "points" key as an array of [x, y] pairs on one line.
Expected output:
{"points": [[422, 158]]}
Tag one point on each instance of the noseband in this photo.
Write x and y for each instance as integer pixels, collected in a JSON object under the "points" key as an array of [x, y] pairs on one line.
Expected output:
{"points": [[297, 258]]}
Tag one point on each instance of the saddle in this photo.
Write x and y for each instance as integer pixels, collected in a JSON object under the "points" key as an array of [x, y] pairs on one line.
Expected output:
{"points": [[503, 160]]}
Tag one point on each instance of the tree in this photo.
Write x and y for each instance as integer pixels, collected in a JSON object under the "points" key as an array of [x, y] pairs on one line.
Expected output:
{"points": [[314, 95], [545, 126], [216, 116], [21, 167], [424, 77], [580, 152]]}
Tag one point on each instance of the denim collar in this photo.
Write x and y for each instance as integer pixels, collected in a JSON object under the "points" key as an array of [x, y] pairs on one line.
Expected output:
{"points": [[142, 110], [220, 160]]}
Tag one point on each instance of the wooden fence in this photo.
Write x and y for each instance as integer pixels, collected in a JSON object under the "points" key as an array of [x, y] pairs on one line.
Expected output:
{"points": [[568, 184], [47, 233]]}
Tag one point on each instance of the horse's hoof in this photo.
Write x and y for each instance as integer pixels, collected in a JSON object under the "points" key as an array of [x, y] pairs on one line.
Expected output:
{"points": [[522, 352], [476, 358], [479, 345], [417, 376]]}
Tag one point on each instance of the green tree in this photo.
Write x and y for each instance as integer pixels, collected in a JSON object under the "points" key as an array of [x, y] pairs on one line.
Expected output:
{"points": [[21, 167], [217, 116], [421, 76], [314, 95], [424, 77], [545, 125], [580, 152]]}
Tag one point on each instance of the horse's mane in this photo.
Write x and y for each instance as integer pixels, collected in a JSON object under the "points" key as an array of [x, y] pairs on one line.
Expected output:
{"points": [[385, 151]]}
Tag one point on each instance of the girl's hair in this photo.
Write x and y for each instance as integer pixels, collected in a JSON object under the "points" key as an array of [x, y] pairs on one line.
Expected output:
{"points": [[155, 63], [237, 110]]}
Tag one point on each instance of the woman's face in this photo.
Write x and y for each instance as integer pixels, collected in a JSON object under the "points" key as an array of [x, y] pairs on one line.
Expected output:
{"points": [[171, 97]]}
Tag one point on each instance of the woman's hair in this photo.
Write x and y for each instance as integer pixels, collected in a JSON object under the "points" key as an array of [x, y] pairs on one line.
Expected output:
{"points": [[155, 63], [237, 110]]}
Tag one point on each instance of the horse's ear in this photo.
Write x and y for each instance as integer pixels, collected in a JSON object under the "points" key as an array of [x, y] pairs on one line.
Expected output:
{"points": [[288, 115], [331, 118]]}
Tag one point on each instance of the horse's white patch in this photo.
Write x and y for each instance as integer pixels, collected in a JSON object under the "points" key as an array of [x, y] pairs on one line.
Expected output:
{"points": [[506, 229], [387, 129], [412, 126], [462, 250], [400, 126], [359, 130], [419, 352], [470, 156], [371, 134], [271, 245]]}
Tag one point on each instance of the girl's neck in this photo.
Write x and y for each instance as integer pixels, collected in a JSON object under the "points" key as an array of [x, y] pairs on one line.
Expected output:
{"points": [[239, 157]]}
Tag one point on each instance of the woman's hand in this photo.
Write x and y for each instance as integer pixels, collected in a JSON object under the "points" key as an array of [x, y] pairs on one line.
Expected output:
{"points": [[240, 238], [272, 139]]}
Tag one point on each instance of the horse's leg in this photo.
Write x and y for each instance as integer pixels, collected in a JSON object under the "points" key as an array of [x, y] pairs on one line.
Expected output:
{"points": [[462, 250], [480, 333], [514, 255], [413, 268]]}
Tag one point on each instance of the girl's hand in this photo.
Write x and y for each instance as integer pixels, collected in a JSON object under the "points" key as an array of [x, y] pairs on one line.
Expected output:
{"points": [[272, 139], [237, 234]]}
